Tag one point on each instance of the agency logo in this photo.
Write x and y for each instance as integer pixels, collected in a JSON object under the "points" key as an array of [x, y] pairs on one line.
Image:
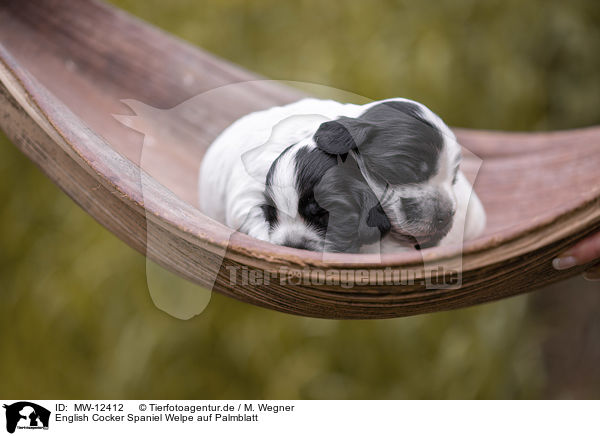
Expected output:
{"points": [[26, 415]]}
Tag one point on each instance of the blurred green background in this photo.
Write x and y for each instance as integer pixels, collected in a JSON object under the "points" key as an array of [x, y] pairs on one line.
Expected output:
{"points": [[76, 319]]}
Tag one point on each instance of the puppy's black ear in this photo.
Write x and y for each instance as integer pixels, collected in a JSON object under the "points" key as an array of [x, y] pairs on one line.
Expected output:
{"points": [[377, 218], [342, 135], [373, 223]]}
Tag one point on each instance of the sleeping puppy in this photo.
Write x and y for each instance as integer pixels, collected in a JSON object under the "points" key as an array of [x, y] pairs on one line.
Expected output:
{"points": [[326, 176]]}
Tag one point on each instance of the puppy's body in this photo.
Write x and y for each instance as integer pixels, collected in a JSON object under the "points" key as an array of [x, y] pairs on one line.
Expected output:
{"points": [[272, 173]]}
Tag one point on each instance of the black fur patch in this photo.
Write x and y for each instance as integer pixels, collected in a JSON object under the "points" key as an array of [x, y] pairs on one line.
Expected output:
{"points": [[355, 216], [311, 165], [397, 145], [270, 213], [403, 146]]}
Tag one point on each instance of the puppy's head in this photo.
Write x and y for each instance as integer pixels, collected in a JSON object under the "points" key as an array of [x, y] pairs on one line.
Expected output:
{"points": [[409, 158], [315, 201]]}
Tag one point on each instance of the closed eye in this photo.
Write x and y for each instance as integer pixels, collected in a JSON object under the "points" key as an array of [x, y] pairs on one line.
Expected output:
{"points": [[313, 209], [312, 212]]}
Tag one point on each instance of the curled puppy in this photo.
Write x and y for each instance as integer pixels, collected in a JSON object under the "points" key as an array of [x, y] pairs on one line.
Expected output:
{"points": [[326, 176]]}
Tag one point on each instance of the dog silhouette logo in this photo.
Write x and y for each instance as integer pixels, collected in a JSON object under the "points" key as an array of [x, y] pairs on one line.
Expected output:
{"points": [[26, 415]]}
